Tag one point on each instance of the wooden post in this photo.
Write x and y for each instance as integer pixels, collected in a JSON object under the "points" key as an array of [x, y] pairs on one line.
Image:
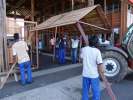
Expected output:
{"points": [[123, 27], [105, 7], [37, 51], [2, 31], [72, 4], [82, 33], [32, 9], [90, 3], [56, 29], [63, 6]]}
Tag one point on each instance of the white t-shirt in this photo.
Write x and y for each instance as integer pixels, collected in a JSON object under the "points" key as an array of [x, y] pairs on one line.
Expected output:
{"points": [[52, 41], [40, 45], [20, 50], [75, 43], [91, 58]]}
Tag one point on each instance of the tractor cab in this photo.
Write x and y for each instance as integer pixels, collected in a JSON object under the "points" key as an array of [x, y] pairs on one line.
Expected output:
{"points": [[127, 42]]}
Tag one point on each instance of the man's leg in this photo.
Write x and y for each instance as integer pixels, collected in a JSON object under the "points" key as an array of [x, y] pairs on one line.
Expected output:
{"points": [[62, 56], [56, 53], [75, 55], [59, 56], [85, 88], [95, 83], [22, 72], [29, 72], [72, 55]]}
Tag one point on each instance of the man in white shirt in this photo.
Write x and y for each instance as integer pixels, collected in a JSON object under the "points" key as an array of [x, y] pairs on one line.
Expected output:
{"points": [[20, 54], [92, 66], [75, 43]]}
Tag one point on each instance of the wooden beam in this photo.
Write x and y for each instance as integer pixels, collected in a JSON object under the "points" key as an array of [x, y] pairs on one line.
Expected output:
{"points": [[104, 20], [2, 32], [90, 2], [93, 26], [72, 4], [105, 7], [63, 6], [82, 33], [123, 24], [32, 9]]}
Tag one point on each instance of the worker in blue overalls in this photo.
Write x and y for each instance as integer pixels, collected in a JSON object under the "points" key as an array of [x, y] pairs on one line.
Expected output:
{"points": [[62, 50]]}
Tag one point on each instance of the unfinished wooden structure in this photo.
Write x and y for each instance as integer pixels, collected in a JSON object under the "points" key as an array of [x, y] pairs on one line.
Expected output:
{"points": [[89, 20], [115, 10]]}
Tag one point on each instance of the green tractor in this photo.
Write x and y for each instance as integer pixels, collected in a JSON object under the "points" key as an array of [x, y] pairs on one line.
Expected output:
{"points": [[117, 59]]}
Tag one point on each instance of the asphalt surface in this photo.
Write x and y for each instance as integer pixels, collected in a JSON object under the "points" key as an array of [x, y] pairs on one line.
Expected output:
{"points": [[40, 81], [123, 90]]}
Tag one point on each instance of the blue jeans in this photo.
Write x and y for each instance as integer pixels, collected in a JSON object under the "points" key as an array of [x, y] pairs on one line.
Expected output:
{"points": [[25, 67], [95, 85], [74, 55], [56, 53], [61, 55]]}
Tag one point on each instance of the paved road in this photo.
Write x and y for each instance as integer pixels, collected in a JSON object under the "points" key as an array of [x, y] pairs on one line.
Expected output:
{"points": [[63, 83]]}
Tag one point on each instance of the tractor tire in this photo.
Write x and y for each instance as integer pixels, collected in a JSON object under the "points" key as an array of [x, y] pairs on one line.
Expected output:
{"points": [[115, 65]]}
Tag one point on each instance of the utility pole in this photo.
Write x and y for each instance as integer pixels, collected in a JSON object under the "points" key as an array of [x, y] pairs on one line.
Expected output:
{"points": [[2, 32]]}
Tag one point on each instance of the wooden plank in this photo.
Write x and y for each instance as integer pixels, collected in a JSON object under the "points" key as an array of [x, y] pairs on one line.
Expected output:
{"points": [[82, 33], [94, 26], [124, 8], [104, 20], [7, 76], [32, 9], [2, 31], [105, 7]]}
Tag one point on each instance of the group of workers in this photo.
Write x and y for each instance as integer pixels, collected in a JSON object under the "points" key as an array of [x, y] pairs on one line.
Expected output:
{"points": [[61, 43], [90, 55]]}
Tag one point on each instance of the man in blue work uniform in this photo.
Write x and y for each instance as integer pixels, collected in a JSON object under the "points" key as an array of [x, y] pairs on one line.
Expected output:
{"points": [[20, 53], [92, 67], [62, 50]]}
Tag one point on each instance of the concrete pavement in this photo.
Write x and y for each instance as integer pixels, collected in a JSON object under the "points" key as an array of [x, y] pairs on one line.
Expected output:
{"points": [[62, 83], [69, 89]]}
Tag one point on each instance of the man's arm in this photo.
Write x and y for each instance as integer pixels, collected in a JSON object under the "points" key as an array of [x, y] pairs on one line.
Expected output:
{"points": [[14, 54], [101, 71]]}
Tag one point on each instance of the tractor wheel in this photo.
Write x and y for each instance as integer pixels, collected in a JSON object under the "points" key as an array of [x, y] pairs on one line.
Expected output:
{"points": [[115, 65]]}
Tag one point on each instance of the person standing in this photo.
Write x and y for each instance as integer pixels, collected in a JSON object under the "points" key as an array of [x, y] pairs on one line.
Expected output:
{"points": [[52, 42], [20, 53], [92, 67], [75, 43], [40, 45], [57, 41], [62, 46]]}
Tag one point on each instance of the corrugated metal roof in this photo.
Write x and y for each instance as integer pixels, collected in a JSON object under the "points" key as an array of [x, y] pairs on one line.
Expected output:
{"points": [[65, 18]]}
